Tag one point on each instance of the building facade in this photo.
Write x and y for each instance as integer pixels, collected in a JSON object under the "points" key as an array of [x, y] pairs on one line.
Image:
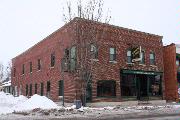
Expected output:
{"points": [[92, 59], [6, 85], [172, 71], [178, 67]]}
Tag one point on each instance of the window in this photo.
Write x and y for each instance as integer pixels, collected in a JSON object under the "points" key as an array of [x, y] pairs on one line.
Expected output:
{"points": [[14, 73], [35, 89], [52, 59], [155, 85], [94, 52], [112, 54], [106, 88], [73, 58], [48, 88], [129, 58], [30, 90], [26, 90], [152, 58], [142, 57], [23, 69], [42, 89], [30, 67], [20, 90], [177, 62], [128, 85], [39, 64], [61, 87]]}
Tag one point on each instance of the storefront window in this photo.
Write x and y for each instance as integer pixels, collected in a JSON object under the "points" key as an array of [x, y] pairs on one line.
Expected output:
{"points": [[106, 88], [128, 85], [155, 85]]}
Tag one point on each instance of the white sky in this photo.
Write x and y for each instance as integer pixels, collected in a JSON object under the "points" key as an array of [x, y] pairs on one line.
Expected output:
{"points": [[25, 22]]}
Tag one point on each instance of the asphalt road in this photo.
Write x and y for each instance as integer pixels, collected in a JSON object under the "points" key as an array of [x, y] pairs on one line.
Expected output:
{"points": [[171, 117]]}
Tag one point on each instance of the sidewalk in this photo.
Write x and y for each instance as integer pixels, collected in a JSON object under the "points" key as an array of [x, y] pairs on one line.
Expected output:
{"points": [[106, 113]]}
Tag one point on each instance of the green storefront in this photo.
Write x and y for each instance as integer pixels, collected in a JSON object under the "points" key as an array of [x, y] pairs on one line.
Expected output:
{"points": [[141, 85]]}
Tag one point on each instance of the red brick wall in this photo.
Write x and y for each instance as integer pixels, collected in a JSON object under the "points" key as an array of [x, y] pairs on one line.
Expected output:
{"points": [[56, 42], [112, 36], [170, 73], [122, 39]]}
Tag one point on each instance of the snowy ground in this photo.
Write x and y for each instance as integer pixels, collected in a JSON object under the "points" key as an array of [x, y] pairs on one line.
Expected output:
{"points": [[40, 107]]}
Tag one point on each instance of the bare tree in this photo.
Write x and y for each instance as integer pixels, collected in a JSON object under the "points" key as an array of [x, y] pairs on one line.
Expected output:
{"points": [[1, 72], [87, 35], [8, 70]]}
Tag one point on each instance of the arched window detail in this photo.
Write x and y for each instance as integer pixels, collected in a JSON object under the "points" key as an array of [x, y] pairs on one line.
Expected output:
{"points": [[152, 58], [129, 56], [94, 51], [142, 57]]}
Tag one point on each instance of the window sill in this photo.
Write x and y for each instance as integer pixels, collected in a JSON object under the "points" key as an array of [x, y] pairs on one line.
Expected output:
{"points": [[142, 64], [52, 67], [22, 75], [130, 63], [38, 70], [96, 60], [153, 65], [113, 61]]}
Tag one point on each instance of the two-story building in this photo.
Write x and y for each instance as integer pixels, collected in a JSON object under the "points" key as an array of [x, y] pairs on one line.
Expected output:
{"points": [[118, 64]]}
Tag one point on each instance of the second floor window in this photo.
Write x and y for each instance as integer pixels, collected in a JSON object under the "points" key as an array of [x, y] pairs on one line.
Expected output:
{"points": [[129, 58], [94, 51], [39, 64], [142, 57], [23, 69], [30, 67], [152, 58], [73, 58], [112, 52], [14, 72], [52, 59]]}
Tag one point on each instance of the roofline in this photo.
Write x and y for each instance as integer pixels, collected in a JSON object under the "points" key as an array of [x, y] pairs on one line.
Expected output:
{"points": [[123, 28], [61, 28], [77, 19]]}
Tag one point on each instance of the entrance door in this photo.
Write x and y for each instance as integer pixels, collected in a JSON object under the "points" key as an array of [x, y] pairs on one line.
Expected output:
{"points": [[141, 81]]}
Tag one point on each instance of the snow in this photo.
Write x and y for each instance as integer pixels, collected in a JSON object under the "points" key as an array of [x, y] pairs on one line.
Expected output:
{"points": [[36, 101], [176, 106], [9, 103], [21, 104]]}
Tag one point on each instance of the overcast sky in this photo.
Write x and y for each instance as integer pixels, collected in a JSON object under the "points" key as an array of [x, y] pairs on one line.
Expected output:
{"points": [[23, 23]]}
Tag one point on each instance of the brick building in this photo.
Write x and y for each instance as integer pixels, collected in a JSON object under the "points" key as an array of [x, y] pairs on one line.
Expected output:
{"points": [[55, 65]]}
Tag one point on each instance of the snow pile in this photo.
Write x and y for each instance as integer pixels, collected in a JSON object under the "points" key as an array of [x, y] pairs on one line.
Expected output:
{"points": [[176, 106], [7, 101], [34, 102]]}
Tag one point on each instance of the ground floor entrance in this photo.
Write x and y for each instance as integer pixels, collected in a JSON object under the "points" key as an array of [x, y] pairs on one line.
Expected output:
{"points": [[141, 85]]}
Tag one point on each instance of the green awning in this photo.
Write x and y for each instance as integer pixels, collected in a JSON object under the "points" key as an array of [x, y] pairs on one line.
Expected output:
{"points": [[141, 72]]}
